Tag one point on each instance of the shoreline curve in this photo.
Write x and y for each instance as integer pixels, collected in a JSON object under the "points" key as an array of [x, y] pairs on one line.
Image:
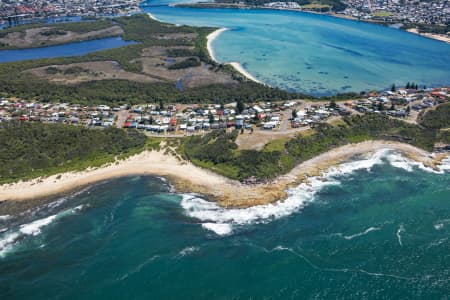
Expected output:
{"points": [[236, 65], [189, 178]]}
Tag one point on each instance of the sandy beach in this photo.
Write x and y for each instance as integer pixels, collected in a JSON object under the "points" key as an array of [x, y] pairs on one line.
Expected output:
{"points": [[237, 66], [244, 72], [153, 17], [210, 39], [188, 178], [438, 37]]}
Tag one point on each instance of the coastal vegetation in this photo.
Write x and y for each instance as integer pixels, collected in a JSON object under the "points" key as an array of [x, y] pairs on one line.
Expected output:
{"points": [[437, 118], [219, 152], [223, 83], [40, 34], [30, 150]]}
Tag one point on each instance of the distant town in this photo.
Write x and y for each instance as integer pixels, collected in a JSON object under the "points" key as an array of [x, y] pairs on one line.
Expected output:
{"points": [[13, 10], [430, 18]]}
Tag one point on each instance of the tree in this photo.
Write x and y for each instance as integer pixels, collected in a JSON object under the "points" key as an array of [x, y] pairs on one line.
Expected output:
{"points": [[408, 109], [211, 118], [393, 88], [161, 105], [240, 106], [333, 103], [392, 106], [294, 114], [380, 106], [408, 86]]}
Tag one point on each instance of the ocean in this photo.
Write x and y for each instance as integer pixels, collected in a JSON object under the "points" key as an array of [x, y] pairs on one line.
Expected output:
{"points": [[376, 227], [317, 54]]}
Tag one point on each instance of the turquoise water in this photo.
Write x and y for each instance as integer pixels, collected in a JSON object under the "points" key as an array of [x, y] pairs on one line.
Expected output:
{"points": [[318, 54], [376, 228], [66, 50]]}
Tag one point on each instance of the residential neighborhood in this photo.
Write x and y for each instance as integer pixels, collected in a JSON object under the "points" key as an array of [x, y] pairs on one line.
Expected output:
{"points": [[12, 10], [400, 11], [181, 119]]}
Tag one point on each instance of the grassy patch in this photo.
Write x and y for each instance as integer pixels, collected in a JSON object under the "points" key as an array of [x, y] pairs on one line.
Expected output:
{"points": [[276, 145], [382, 14]]}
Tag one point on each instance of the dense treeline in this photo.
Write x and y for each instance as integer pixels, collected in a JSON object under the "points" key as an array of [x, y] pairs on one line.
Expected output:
{"points": [[187, 63], [34, 149], [432, 28], [122, 91], [218, 151], [145, 31]]}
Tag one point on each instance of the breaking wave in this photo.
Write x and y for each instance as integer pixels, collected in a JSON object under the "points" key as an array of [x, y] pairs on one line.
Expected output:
{"points": [[13, 237], [439, 224], [399, 232], [370, 229], [5, 217], [223, 221], [187, 251]]}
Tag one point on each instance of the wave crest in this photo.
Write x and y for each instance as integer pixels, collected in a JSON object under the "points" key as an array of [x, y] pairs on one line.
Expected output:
{"points": [[223, 221]]}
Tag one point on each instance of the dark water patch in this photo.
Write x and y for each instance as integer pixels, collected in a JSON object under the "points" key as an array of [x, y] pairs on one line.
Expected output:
{"points": [[179, 85], [65, 50], [343, 49]]}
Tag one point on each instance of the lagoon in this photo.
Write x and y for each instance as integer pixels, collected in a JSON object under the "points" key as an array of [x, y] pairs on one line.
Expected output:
{"points": [[318, 54], [66, 50]]}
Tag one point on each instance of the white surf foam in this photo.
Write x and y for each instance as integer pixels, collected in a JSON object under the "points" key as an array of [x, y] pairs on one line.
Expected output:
{"points": [[370, 229], [399, 161], [445, 164], [223, 221], [366, 163], [5, 217], [9, 239], [439, 224], [399, 232], [34, 228], [219, 228], [188, 250], [6, 243]]}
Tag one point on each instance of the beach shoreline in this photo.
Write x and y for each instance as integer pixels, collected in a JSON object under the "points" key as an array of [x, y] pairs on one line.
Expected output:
{"points": [[210, 39], [236, 65], [188, 178], [154, 18], [432, 36], [437, 37]]}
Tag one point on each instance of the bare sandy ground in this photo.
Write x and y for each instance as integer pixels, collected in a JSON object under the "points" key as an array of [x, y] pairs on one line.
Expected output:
{"points": [[95, 70], [188, 178], [439, 37]]}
